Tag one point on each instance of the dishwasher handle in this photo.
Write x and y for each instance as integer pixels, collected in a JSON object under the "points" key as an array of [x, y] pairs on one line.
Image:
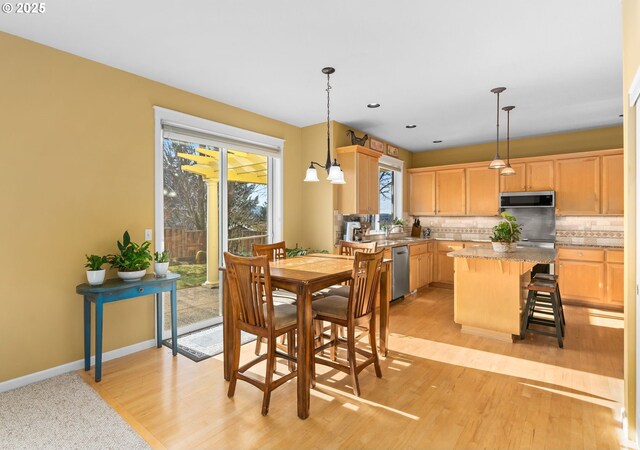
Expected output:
{"points": [[404, 252]]}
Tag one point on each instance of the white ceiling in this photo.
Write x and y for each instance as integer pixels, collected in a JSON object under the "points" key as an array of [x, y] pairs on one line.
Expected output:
{"points": [[427, 62]]}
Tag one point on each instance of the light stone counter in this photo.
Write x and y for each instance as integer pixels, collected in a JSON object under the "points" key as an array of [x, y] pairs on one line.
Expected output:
{"points": [[524, 254]]}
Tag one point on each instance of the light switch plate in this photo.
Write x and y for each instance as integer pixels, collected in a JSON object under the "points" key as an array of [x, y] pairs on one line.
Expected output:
{"points": [[148, 234]]}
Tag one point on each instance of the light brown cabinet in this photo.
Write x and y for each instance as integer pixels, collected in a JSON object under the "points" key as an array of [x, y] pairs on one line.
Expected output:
{"points": [[482, 187], [361, 193], [443, 264], [517, 182], [613, 184], [420, 266], [450, 192], [530, 176], [578, 186], [422, 193], [591, 276]]}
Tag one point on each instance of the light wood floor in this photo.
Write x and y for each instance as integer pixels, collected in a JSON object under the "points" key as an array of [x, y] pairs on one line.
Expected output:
{"points": [[440, 389]]}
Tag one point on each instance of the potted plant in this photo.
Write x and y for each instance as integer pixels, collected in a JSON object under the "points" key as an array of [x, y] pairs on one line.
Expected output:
{"points": [[161, 263], [506, 234], [95, 272], [133, 260]]}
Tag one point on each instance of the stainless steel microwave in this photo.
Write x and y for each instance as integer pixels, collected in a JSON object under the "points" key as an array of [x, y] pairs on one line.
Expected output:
{"points": [[539, 199]]}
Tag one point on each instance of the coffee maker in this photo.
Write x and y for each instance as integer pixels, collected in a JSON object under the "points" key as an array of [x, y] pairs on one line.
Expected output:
{"points": [[353, 231]]}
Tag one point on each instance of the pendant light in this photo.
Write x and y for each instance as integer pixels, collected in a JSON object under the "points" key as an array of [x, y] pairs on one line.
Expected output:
{"points": [[497, 162], [508, 170], [335, 174]]}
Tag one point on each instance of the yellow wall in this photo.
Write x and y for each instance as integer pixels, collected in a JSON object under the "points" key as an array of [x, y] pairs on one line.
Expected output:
{"points": [[77, 147], [631, 66], [550, 144]]}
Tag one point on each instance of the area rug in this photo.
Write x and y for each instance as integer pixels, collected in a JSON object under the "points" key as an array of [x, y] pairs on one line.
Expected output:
{"points": [[202, 344], [62, 412]]}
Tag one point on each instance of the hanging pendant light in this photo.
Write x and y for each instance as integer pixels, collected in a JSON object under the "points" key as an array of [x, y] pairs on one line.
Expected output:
{"points": [[334, 173], [497, 162], [508, 170]]}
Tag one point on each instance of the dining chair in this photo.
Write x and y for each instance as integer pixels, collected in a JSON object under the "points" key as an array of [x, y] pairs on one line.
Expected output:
{"points": [[356, 310], [348, 248], [254, 312]]}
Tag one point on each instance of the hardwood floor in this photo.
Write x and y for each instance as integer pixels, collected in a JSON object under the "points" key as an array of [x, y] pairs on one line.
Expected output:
{"points": [[440, 389]]}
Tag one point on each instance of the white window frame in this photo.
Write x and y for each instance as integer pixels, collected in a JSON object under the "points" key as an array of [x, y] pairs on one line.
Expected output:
{"points": [[226, 132], [397, 165]]}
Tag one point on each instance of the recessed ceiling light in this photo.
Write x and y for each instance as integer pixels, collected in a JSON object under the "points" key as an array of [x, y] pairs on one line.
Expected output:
{"points": [[437, 142], [410, 126], [373, 105]]}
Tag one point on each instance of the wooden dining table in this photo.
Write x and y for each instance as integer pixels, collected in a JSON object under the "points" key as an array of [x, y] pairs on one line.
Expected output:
{"points": [[303, 276]]}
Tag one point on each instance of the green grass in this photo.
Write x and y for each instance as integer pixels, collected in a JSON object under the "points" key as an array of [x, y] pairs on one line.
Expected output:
{"points": [[192, 275]]}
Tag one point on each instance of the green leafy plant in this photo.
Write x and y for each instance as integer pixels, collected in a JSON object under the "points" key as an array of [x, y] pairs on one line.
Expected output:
{"points": [[508, 230], [95, 262], [161, 257], [132, 257]]}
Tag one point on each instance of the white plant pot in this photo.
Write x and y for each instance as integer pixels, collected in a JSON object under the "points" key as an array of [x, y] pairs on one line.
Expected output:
{"points": [[96, 277], [132, 276], [503, 247], [161, 268]]}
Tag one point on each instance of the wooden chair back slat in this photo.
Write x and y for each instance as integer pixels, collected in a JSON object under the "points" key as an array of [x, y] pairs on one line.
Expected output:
{"points": [[249, 289], [350, 248], [364, 286], [273, 252]]}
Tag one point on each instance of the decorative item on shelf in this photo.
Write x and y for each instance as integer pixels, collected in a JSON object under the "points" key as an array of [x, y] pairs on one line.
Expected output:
{"points": [[392, 151], [508, 170], [161, 263], [95, 272], [133, 260], [355, 140], [506, 234], [376, 145], [335, 174], [394, 226], [497, 162]]}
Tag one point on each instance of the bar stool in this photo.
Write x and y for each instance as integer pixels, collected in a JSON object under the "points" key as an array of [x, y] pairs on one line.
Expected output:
{"points": [[554, 278], [542, 308]]}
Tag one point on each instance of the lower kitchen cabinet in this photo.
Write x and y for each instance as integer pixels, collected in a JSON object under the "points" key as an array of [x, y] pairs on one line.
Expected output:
{"points": [[591, 277], [443, 264], [420, 264]]}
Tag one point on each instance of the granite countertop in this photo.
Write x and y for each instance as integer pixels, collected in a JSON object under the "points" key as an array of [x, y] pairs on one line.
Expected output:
{"points": [[524, 254]]}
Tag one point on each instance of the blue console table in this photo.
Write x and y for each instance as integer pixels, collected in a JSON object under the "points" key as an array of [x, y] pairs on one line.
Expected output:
{"points": [[115, 289]]}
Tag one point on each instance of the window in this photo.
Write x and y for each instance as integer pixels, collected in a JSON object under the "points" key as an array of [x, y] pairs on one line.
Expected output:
{"points": [[389, 191]]}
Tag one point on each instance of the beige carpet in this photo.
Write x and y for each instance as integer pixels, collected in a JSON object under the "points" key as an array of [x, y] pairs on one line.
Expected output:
{"points": [[62, 413]]}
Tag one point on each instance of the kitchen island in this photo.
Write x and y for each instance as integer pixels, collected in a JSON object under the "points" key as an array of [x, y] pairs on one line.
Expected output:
{"points": [[490, 288]]}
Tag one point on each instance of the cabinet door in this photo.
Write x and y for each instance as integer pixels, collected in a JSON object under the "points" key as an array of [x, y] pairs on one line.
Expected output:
{"points": [[615, 284], [424, 270], [514, 183], [450, 192], [422, 193], [482, 186], [578, 186], [367, 184], [444, 263], [414, 271], [612, 184], [540, 176], [581, 280]]}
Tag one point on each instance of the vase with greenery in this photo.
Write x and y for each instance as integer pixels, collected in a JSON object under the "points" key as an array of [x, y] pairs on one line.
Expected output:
{"points": [[95, 272], [161, 263], [133, 260], [391, 226], [506, 234]]}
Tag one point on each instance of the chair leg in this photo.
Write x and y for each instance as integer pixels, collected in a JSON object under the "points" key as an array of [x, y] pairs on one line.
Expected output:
{"points": [[258, 343], [334, 339], [291, 349], [526, 314], [351, 357], [268, 379], [557, 319], [236, 365], [374, 349]]}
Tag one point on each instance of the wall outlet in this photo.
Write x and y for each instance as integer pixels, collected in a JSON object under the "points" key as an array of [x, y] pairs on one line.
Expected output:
{"points": [[148, 234]]}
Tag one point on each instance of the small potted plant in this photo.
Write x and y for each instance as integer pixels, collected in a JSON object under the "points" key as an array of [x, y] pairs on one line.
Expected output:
{"points": [[133, 260], [95, 272], [506, 234], [161, 263]]}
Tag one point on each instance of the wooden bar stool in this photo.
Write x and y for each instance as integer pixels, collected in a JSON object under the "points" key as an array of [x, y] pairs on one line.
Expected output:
{"points": [[542, 308], [550, 277]]}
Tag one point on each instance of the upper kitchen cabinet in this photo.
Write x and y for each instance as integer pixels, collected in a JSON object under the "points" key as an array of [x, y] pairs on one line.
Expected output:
{"points": [[422, 193], [577, 186], [530, 176], [450, 192], [612, 184], [360, 166], [482, 191]]}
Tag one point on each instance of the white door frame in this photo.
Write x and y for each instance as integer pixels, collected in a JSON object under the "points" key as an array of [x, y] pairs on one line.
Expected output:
{"points": [[634, 103]]}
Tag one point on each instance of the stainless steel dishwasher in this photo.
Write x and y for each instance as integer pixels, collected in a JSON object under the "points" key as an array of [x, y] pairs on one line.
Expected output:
{"points": [[400, 271]]}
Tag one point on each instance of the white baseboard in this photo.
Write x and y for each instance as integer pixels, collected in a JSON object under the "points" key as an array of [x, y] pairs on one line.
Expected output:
{"points": [[73, 366]]}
